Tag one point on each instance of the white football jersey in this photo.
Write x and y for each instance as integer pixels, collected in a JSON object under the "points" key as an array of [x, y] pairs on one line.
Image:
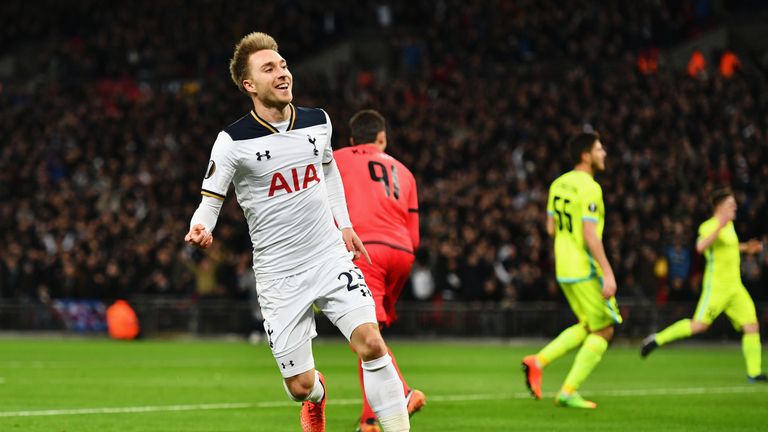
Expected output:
{"points": [[280, 186]]}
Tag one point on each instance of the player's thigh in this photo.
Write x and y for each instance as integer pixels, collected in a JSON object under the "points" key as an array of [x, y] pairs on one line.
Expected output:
{"points": [[711, 303], [599, 313], [288, 323], [343, 295], [398, 271], [574, 300], [741, 309]]}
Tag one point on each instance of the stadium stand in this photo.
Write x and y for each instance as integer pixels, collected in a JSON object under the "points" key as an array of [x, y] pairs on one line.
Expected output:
{"points": [[109, 120]]}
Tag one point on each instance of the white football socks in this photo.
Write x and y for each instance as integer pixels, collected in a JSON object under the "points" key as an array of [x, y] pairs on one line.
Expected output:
{"points": [[385, 394], [318, 391]]}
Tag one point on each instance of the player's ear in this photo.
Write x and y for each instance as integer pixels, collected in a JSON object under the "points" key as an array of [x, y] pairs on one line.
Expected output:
{"points": [[381, 138], [248, 86]]}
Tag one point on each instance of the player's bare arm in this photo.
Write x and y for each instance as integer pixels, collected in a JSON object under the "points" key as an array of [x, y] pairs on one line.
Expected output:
{"points": [[551, 225], [751, 247], [705, 242], [595, 246]]}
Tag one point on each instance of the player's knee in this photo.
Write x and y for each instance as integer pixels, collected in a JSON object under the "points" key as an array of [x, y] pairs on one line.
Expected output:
{"points": [[367, 342], [300, 386], [698, 327], [606, 333], [751, 328], [371, 346]]}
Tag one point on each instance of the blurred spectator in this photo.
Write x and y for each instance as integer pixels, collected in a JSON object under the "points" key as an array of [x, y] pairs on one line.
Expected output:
{"points": [[679, 263], [110, 120]]}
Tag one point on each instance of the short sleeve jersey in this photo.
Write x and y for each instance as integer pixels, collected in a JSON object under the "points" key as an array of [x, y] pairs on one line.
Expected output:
{"points": [[280, 186], [381, 195], [575, 197], [723, 259]]}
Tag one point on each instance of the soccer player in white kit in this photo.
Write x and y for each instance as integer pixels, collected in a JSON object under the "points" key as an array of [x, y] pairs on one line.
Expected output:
{"points": [[280, 159]]}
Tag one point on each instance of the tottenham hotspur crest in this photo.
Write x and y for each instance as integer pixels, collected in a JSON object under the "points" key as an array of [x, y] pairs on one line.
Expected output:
{"points": [[312, 140]]}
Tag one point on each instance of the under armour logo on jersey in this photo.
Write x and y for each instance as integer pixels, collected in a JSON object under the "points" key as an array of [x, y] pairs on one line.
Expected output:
{"points": [[290, 362], [312, 140], [266, 153]]}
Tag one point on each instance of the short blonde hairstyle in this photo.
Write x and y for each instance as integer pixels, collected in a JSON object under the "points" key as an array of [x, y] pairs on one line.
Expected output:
{"points": [[249, 44]]}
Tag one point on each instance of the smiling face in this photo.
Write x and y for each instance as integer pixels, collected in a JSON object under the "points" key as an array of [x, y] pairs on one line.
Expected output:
{"points": [[268, 80]]}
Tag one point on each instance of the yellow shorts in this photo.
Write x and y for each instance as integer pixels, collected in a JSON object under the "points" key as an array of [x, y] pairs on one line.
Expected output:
{"points": [[736, 303], [587, 302]]}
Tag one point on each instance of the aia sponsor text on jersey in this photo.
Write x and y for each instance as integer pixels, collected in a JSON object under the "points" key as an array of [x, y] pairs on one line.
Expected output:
{"points": [[291, 181]]}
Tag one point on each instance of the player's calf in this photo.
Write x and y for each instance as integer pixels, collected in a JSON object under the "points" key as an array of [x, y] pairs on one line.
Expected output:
{"points": [[300, 387], [383, 389]]}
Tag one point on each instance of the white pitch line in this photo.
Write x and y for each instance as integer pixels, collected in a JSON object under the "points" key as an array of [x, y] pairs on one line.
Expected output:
{"points": [[436, 398], [126, 410]]}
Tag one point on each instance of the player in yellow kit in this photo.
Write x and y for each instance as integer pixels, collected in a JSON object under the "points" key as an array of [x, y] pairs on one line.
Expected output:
{"points": [[575, 217], [722, 289]]}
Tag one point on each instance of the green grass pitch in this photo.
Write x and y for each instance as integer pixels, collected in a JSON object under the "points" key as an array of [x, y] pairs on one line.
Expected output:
{"points": [[101, 385]]}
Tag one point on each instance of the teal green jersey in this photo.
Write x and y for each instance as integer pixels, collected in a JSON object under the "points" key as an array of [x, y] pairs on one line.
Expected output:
{"points": [[575, 197]]}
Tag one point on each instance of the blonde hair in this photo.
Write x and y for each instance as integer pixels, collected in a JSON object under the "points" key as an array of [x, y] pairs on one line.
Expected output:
{"points": [[249, 44]]}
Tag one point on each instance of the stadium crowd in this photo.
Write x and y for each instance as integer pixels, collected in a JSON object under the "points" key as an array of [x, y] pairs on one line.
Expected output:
{"points": [[107, 139]]}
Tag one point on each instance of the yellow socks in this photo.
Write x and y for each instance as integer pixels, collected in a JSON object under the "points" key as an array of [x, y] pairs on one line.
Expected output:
{"points": [[586, 359], [678, 330], [567, 340], [750, 345]]}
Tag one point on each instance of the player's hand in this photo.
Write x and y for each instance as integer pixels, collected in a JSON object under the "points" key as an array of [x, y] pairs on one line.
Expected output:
{"points": [[609, 286], [728, 214], [754, 246], [354, 244], [199, 237], [724, 218]]}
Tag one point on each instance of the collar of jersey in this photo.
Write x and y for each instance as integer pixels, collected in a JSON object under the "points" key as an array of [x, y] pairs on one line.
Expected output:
{"points": [[269, 126], [370, 146]]}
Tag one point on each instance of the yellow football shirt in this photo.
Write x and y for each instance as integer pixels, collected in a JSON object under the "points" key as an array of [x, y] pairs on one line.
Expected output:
{"points": [[575, 197], [723, 268]]}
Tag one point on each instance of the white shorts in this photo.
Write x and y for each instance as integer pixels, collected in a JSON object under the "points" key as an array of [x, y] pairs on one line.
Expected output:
{"points": [[336, 287]]}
